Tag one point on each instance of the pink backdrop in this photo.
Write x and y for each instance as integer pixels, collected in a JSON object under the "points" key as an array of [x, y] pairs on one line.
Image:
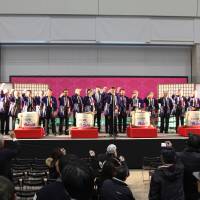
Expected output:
{"points": [[142, 84]]}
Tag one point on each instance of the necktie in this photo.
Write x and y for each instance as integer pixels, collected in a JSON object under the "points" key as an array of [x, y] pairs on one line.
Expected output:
{"points": [[49, 101], [65, 101]]}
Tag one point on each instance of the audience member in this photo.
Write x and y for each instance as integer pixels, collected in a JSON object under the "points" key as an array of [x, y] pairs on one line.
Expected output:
{"points": [[56, 190], [78, 181], [167, 180], [113, 185], [52, 161], [190, 158], [6, 155], [7, 191]]}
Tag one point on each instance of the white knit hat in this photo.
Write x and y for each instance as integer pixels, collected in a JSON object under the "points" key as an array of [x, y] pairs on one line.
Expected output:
{"points": [[111, 149]]}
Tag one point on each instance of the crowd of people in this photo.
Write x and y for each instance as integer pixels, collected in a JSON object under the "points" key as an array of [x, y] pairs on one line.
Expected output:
{"points": [[112, 103], [103, 176]]}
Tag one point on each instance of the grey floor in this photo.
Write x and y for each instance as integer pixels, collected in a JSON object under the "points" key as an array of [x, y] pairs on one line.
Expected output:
{"points": [[138, 182]]}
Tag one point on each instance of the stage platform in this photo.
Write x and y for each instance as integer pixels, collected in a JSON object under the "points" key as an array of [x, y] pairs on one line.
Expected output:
{"points": [[134, 149]]}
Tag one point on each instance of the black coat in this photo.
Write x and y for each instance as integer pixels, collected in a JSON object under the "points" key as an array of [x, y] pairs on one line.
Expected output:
{"points": [[6, 156], [115, 189], [167, 183], [166, 106], [191, 162], [53, 191]]}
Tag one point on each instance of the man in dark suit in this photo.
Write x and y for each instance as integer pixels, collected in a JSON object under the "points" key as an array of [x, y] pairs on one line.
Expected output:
{"points": [[39, 107], [193, 102], [98, 97], [78, 105], [50, 104], [135, 102], [15, 107], [112, 109], [89, 102], [123, 108], [166, 106], [28, 104], [151, 105], [181, 106], [4, 110], [104, 95], [64, 110]]}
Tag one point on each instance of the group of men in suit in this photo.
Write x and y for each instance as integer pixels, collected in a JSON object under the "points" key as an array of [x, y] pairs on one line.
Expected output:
{"points": [[113, 103]]}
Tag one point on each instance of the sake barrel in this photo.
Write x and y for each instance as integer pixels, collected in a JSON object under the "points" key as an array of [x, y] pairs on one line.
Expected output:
{"points": [[141, 118], [192, 118], [84, 120], [29, 119]]}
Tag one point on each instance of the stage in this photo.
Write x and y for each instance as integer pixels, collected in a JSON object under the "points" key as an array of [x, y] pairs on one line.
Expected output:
{"points": [[133, 149]]}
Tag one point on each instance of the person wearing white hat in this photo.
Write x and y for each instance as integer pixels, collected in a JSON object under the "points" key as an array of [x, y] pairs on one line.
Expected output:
{"points": [[112, 149]]}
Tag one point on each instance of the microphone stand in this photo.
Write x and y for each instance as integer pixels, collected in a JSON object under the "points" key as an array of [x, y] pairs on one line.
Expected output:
{"points": [[113, 118]]}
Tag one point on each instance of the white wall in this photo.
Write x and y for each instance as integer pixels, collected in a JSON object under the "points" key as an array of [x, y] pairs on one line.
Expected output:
{"points": [[148, 7], [101, 7], [93, 60], [48, 29], [80, 7]]}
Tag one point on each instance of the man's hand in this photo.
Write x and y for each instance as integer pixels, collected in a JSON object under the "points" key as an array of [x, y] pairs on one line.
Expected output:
{"points": [[62, 94], [92, 153], [12, 135], [121, 158]]}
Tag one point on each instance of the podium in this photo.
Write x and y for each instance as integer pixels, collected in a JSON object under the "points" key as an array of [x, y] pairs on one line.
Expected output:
{"points": [[29, 133], [185, 130], [90, 132], [142, 132]]}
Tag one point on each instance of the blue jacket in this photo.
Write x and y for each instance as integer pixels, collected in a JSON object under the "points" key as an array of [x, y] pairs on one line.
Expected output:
{"points": [[123, 103], [29, 102], [89, 104], [38, 100], [52, 104], [136, 103], [99, 101], [108, 110], [77, 103], [63, 103]]}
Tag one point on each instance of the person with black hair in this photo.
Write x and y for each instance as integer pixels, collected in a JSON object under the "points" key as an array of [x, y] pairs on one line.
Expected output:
{"points": [[123, 109], [190, 158], [50, 105], [98, 98], [4, 110], [51, 161], [78, 181], [113, 186], [112, 110], [181, 105], [166, 106], [89, 101], [65, 106], [167, 180], [56, 190], [28, 104], [6, 156], [7, 190]]}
